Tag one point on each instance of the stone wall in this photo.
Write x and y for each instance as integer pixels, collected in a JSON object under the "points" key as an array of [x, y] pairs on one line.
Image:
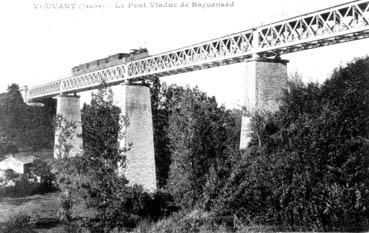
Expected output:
{"points": [[137, 135], [68, 146], [271, 79], [264, 83]]}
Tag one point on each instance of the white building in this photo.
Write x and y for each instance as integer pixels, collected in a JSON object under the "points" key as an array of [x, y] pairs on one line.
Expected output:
{"points": [[20, 163]]}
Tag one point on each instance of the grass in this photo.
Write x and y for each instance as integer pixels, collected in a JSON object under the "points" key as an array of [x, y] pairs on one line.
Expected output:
{"points": [[37, 207], [194, 221], [37, 213]]}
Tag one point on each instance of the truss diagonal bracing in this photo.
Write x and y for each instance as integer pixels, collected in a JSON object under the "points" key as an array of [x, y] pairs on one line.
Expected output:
{"points": [[333, 25]]}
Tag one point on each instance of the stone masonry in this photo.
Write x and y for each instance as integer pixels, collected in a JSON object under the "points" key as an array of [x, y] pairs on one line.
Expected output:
{"points": [[68, 145], [264, 83], [137, 135], [265, 80]]}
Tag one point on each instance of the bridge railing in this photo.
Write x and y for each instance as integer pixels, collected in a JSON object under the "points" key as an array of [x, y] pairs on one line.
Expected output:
{"points": [[48, 89], [184, 59], [78, 83], [333, 25], [93, 79], [289, 35]]}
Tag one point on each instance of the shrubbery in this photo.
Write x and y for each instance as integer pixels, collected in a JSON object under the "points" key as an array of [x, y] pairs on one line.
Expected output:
{"points": [[93, 180], [308, 164], [18, 224], [24, 127], [24, 187], [195, 135], [306, 167]]}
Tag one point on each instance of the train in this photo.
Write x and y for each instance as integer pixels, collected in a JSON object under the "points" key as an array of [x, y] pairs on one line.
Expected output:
{"points": [[112, 60]]}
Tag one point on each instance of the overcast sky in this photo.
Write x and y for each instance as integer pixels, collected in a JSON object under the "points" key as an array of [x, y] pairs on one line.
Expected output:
{"points": [[42, 45]]}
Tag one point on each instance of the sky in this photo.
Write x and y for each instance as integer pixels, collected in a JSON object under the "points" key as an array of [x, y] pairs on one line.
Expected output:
{"points": [[39, 45]]}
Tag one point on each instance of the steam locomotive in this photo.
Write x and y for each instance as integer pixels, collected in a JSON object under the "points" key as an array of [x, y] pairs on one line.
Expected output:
{"points": [[109, 61]]}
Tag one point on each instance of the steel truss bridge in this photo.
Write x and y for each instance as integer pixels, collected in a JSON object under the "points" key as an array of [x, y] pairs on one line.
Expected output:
{"points": [[338, 24]]}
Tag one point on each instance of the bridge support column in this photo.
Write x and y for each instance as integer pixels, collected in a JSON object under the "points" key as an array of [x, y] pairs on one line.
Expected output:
{"points": [[68, 138], [265, 80], [137, 135]]}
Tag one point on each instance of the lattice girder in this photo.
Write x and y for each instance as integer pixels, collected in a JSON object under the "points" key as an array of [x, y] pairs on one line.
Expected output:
{"points": [[333, 25], [329, 23]]}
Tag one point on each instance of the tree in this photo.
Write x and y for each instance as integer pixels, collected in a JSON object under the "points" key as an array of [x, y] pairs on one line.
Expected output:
{"points": [[160, 115], [24, 127], [93, 179], [12, 113], [197, 135], [42, 169], [38, 126], [101, 125], [10, 175], [308, 163]]}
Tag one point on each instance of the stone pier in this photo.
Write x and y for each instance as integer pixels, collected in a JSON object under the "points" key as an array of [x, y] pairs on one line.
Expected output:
{"points": [[265, 80], [68, 132], [137, 135]]}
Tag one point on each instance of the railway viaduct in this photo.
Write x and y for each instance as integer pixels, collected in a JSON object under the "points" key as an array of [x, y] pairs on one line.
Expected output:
{"points": [[258, 48]]}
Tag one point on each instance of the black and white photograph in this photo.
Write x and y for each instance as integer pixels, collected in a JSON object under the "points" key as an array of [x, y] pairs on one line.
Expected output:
{"points": [[184, 116]]}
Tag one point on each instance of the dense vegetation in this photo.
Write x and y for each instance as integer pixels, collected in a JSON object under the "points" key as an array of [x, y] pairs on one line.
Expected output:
{"points": [[305, 169], [23, 127], [193, 135], [39, 181], [93, 181], [24, 185]]}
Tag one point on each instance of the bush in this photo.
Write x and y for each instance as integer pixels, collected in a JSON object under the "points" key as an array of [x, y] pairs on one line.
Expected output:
{"points": [[117, 205], [24, 127], [185, 221], [133, 205], [93, 180], [192, 134], [19, 224], [23, 187], [307, 164]]}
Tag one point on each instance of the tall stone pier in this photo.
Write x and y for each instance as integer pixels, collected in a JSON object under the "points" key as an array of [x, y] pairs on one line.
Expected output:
{"points": [[137, 135], [68, 132], [265, 80]]}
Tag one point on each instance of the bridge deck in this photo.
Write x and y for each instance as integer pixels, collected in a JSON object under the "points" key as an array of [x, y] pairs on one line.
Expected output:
{"points": [[342, 23]]}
